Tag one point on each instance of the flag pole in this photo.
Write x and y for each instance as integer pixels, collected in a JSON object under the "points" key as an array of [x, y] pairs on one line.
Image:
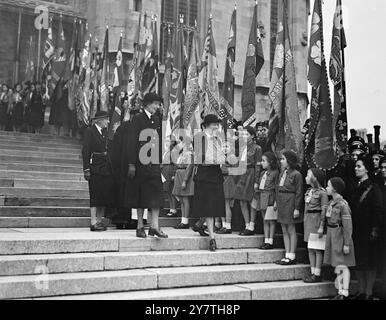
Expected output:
{"points": [[39, 54]]}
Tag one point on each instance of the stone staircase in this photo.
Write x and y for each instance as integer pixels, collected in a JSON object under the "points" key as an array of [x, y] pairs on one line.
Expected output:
{"points": [[76, 264], [47, 251], [42, 185]]}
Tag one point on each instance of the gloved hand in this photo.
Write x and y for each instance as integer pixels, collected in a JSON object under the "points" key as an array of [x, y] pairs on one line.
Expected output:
{"points": [[132, 171], [87, 175]]}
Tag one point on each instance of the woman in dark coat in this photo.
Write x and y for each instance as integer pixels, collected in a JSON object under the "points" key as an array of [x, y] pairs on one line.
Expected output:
{"points": [[383, 231], [209, 197], [4, 103], [37, 109], [17, 116], [366, 209]]}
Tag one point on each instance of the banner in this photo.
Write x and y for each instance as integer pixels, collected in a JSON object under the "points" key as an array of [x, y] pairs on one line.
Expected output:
{"points": [[253, 65], [337, 75], [320, 151], [284, 125], [104, 90]]}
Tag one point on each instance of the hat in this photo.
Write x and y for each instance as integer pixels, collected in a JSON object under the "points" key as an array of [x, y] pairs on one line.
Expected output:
{"points": [[338, 184], [101, 115], [150, 98], [379, 153], [210, 119], [320, 175], [292, 158], [357, 144]]}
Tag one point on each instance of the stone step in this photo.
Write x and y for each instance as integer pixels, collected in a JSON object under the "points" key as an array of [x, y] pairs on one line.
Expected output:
{"points": [[44, 222], [38, 138], [113, 261], [21, 135], [40, 160], [37, 144], [44, 202], [14, 174], [32, 286], [39, 147], [77, 169], [47, 212], [284, 290], [34, 192], [43, 155], [43, 184], [56, 241]]}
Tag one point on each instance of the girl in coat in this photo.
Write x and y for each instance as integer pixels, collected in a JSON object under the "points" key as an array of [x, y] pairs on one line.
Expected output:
{"points": [[315, 213], [251, 154], [183, 183], [169, 173], [289, 200], [339, 245], [265, 197]]}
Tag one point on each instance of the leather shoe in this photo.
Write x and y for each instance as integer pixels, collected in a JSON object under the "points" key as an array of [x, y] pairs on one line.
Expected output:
{"points": [[358, 296], [340, 297], [247, 233], [141, 233], [313, 279], [157, 233], [182, 226], [98, 228], [224, 231], [200, 230], [212, 245]]}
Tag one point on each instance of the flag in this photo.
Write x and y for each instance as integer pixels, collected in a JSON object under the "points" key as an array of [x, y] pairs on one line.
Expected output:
{"points": [[337, 75], [210, 101], [150, 70], [143, 53], [85, 97], [133, 66], [49, 50], [320, 150], [95, 82], [118, 73], [191, 114], [284, 125], [30, 68], [104, 91], [115, 123], [59, 61], [253, 65], [228, 93], [174, 121], [71, 73], [167, 81]]}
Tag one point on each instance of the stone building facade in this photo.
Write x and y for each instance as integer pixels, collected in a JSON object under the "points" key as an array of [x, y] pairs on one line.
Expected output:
{"points": [[123, 16]]}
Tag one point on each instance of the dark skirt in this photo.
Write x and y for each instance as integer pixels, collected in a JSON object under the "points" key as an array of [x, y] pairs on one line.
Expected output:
{"points": [[179, 179], [102, 191], [17, 114], [209, 198], [36, 116], [367, 252], [229, 187], [286, 207], [3, 113], [168, 171], [245, 186], [145, 191]]}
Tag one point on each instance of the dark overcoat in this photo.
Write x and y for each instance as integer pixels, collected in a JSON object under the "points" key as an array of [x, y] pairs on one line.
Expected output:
{"points": [[97, 160], [145, 191]]}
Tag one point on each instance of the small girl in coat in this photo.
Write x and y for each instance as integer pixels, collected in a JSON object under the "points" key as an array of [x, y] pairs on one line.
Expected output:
{"points": [[184, 184], [339, 244], [314, 216], [265, 197], [289, 200]]}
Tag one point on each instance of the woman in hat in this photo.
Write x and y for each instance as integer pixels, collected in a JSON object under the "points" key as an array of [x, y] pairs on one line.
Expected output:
{"points": [[37, 109], [209, 198], [251, 154], [366, 208], [17, 108], [378, 157], [97, 170], [4, 102], [316, 200], [289, 199]]}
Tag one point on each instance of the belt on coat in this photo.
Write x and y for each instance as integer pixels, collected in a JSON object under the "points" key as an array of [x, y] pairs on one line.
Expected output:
{"points": [[285, 191], [334, 226], [314, 211]]}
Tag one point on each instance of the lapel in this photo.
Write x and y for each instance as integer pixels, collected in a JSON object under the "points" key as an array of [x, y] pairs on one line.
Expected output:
{"points": [[97, 134]]}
